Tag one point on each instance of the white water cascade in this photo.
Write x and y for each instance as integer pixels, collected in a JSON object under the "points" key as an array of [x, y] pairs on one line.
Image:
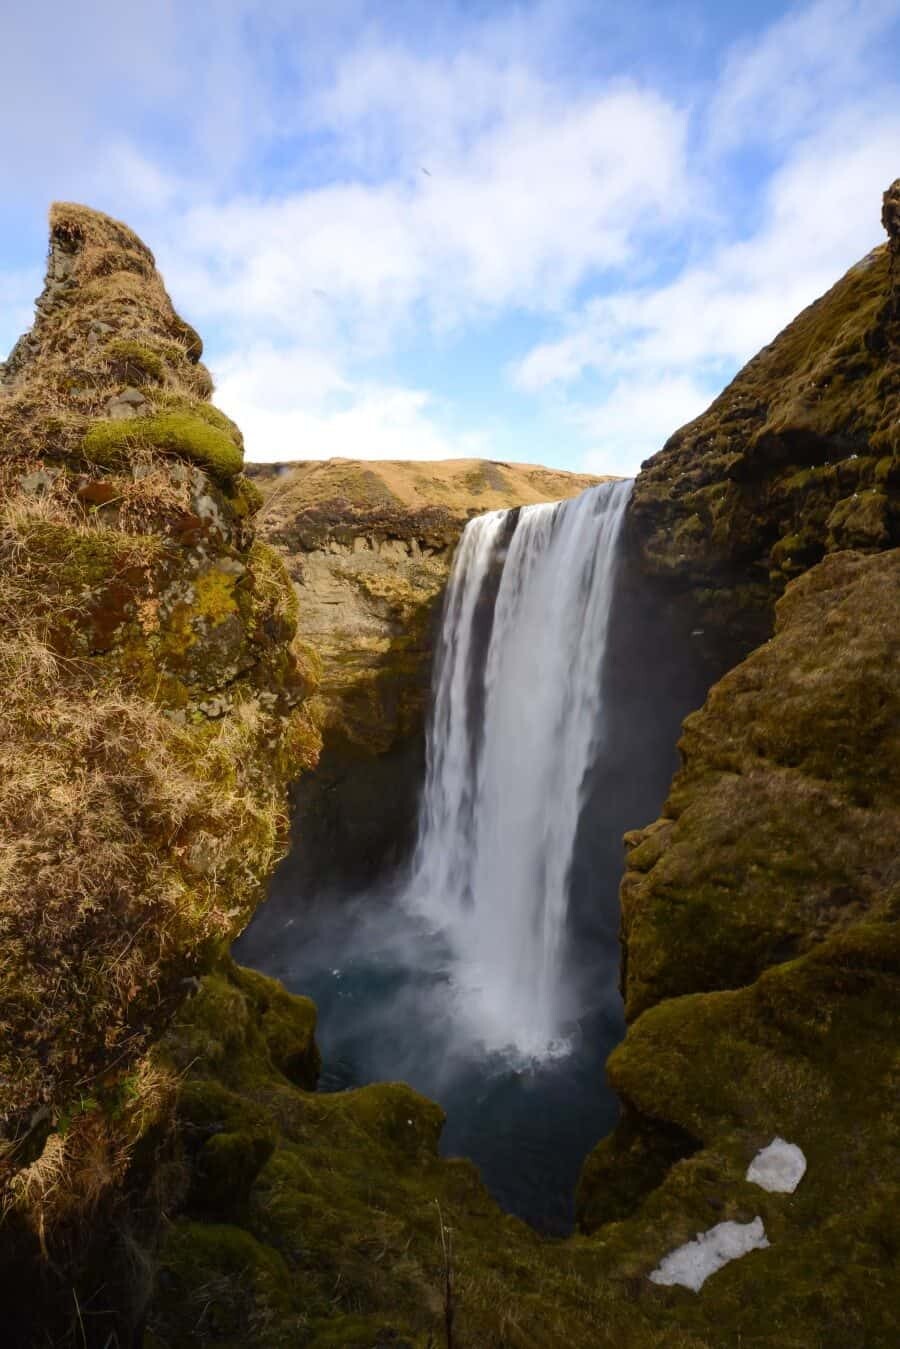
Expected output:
{"points": [[514, 730]]}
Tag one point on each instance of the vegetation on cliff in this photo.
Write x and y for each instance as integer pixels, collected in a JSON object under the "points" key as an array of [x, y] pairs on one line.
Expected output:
{"points": [[153, 713], [761, 946]]}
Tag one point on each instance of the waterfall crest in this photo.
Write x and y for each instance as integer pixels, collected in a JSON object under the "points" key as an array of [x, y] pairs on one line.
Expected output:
{"points": [[517, 722]]}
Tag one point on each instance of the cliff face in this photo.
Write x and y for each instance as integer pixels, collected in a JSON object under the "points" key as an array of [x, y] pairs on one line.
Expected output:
{"points": [[796, 459], [761, 946], [761, 966], [153, 711], [368, 547]]}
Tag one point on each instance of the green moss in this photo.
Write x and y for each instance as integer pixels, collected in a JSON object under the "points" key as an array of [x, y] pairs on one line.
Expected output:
{"points": [[225, 1168], [215, 598], [275, 606], [135, 361], [792, 765], [246, 498], [188, 434], [860, 521], [219, 1285], [214, 417], [287, 1024]]}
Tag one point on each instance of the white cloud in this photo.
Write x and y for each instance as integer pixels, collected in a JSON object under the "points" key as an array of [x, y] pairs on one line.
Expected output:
{"points": [[296, 404], [613, 216], [803, 66], [546, 195], [656, 351], [636, 419]]}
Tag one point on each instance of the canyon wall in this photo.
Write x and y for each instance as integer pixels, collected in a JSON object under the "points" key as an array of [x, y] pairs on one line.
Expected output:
{"points": [[368, 547], [761, 949]]}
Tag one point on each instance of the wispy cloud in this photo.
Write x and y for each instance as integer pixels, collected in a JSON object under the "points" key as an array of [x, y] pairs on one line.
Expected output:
{"points": [[298, 405]]}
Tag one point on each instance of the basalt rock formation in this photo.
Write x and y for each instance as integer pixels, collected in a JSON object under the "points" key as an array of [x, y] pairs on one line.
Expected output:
{"points": [[154, 709], [368, 547]]}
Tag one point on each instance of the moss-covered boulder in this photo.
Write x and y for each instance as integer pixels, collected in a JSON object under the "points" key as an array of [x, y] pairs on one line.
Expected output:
{"points": [[781, 825], [772, 876]]}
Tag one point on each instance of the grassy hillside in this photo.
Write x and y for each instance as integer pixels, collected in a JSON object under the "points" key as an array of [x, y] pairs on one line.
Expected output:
{"points": [[460, 486]]}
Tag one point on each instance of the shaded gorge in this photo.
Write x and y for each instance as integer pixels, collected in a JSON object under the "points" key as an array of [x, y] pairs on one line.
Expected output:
{"points": [[479, 959]]}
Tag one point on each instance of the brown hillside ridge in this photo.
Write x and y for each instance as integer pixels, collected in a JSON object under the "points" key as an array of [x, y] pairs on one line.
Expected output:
{"points": [[798, 457], [153, 710]]}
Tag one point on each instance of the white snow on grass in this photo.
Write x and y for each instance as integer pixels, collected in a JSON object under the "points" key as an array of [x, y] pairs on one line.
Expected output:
{"points": [[692, 1264], [778, 1168]]}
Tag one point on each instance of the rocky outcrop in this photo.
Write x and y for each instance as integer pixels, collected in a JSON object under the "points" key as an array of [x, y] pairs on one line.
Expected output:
{"points": [[797, 458], [154, 710], [368, 547], [761, 945]]}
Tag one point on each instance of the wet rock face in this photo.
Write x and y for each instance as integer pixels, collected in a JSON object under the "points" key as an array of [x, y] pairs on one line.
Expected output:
{"points": [[797, 458], [155, 706]]}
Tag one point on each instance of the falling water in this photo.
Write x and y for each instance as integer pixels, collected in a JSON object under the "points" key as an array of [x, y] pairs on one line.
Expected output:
{"points": [[517, 723]]}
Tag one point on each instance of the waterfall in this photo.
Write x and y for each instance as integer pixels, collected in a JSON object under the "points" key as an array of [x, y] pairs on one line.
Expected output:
{"points": [[517, 722]]}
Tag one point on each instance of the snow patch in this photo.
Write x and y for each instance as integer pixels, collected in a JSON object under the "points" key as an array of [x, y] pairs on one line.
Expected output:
{"points": [[778, 1168], [692, 1264]]}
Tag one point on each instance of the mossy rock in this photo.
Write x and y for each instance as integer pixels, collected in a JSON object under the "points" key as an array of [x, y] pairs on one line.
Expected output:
{"points": [[246, 498], [187, 434], [218, 1285], [134, 362], [287, 1024], [225, 1168], [791, 767]]}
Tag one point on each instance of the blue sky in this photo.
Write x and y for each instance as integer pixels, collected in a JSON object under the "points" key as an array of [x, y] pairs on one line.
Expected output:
{"points": [[622, 202]]}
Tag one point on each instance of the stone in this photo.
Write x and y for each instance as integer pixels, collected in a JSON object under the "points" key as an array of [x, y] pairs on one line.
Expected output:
{"points": [[129, 403]]}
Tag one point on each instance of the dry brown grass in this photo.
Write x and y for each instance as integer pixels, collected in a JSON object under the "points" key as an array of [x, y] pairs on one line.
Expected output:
{"points": [[136, 832], [458, 485], [111, 880], [82, 1161]]}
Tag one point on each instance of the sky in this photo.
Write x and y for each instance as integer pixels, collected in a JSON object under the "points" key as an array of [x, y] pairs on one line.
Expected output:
{"points": [[540, 232]]}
